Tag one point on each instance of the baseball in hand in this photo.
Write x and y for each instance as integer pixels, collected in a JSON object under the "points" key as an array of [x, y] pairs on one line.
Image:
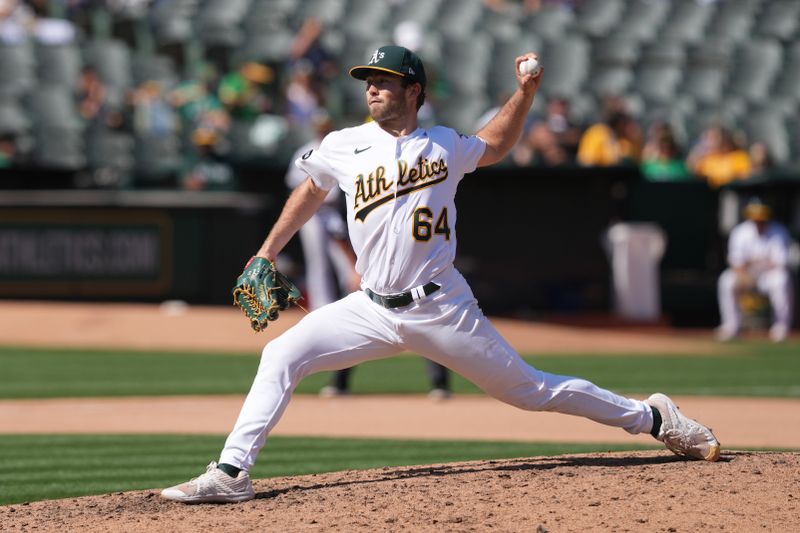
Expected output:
{"points": [[530, 66]]}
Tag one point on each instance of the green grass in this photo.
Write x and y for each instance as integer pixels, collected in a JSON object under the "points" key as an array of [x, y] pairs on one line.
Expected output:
{"points": [[39, 467], [743, 369]]}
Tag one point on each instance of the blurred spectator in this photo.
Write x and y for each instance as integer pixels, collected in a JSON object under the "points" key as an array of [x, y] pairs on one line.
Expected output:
{"points": [[551, 141], [152, 114], [93, 101], [48, 29], [242, 91], [758, 258], [616, 140], [198, 107], [760, 159], [303, 95], [205, 167], [307, 46], [16, 21], [717, 158], [8, 150], [661, 157]]}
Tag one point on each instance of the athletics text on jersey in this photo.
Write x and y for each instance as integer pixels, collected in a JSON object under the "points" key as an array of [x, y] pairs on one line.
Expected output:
{"points": [[400, 195]]}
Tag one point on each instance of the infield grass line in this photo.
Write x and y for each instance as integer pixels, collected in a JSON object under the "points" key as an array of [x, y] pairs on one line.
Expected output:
{"points": [[38, 467], [746, 369]]}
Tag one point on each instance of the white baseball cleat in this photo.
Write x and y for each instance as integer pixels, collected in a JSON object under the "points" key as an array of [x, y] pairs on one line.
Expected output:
{"points": [[683, 436], [213, 486], [778, 333], [726, 333]]}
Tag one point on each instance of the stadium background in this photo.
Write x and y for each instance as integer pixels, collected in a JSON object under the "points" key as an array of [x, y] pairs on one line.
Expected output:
{"points": [[95, 206], [100, 213]]}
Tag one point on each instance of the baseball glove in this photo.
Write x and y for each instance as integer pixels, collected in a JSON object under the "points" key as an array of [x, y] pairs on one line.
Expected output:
{"points": [[261, 291]]}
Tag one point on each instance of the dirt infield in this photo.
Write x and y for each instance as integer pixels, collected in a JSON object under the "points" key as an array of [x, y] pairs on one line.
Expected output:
{"points": [[631, 491]]}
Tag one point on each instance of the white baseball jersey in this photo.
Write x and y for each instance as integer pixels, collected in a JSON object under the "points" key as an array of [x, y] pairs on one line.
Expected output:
{"points": [[747, 246], [766, 257], [400, 195]]}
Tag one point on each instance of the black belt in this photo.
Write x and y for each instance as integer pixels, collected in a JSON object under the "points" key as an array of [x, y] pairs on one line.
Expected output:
{"points": [[393, 301]]}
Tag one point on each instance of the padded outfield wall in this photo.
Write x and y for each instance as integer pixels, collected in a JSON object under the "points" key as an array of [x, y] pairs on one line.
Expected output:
{"points": [[530, 240]]}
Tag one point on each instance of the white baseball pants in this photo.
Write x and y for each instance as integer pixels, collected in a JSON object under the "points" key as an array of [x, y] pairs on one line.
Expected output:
{"points": [[447, 327], [775, 283]]}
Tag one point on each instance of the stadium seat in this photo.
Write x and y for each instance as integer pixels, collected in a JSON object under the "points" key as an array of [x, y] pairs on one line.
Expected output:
{"points": [[13, 118], [793, 130], [609, 80], [58, 148], [365, 18], [53, 106], [787, 81], [596, 18], [733, 20], [758, 61], [112, 61], [328, 12], [267, 47], [423, 12], [460, 18], [686, 21], [779, 19], [641, 19], [706, 116], [657, 83], [58, 64], [502, 80], [265, 16], [218, 22], [567, 62], [767, 126], [663, 53], [704, 83], [549, 22], [472, 50], [146, 67], [706, 70], [156, 159], [17, 68], [462, 112], [109, 157]]}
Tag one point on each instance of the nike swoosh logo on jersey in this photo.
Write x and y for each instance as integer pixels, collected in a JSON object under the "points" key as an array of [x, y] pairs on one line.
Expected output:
{"points": [[358, 151]]}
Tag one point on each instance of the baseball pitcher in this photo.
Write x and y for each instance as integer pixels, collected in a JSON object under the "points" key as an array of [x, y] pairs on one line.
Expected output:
{"points": [[400, 182]]}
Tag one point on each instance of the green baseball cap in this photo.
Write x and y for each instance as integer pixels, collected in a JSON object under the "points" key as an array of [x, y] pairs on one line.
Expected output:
{"points": [[395, 60]]}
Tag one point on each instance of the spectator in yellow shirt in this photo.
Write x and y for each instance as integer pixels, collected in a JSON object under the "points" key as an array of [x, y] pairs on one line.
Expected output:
{"points": [[615, 141], [717, 158]]}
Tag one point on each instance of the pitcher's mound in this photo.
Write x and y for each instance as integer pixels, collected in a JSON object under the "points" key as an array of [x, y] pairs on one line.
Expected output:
{"points": [[625, 491]]}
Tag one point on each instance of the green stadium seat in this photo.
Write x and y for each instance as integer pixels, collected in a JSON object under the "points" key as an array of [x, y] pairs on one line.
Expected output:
{"points": [[733, 20], [641, 19], [58, 64], [467, 63], [757, 64], [779, 19], [13, 118], [112, 61], [549, 22], [686, 21], [768, 126], [597, 18], [501, 70], [567, 62], [17, 68]]}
